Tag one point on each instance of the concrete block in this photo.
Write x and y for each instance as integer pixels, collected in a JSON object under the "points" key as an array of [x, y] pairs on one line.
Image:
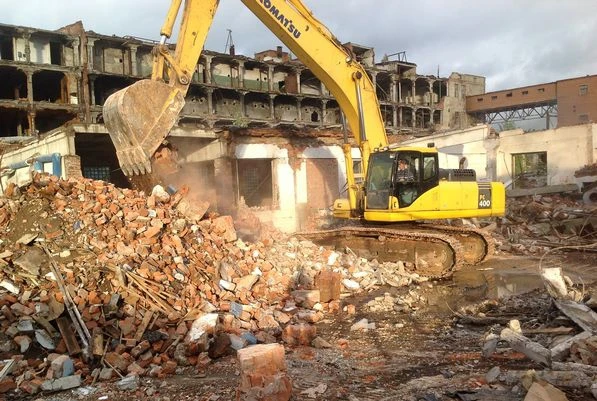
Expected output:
{"points": [[63, 383]]}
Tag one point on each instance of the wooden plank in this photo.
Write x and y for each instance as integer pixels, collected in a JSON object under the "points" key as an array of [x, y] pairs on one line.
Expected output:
{"points": [[66, 330], [98, 342], [143, 326], [7, 368]]}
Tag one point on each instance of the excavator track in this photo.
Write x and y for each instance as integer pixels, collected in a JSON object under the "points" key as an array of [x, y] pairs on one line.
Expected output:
{"points": [[435, 251]]}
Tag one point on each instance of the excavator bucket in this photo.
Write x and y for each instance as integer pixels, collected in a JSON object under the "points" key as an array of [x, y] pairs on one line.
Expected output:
{"points": [[138, 119]]}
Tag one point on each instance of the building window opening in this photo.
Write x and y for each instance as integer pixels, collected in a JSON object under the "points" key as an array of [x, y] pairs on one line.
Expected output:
{"points": [[6, 49], [509, 94], [530, 170], [49, 86], [314, 117], [541, 90], [494, 97], [255, 184], [55, 53], [583, 90], [583, 118], [525, 92], [97, 173]]}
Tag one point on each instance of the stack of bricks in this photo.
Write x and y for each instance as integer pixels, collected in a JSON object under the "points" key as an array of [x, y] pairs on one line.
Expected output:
{"points": [[263, 374]]}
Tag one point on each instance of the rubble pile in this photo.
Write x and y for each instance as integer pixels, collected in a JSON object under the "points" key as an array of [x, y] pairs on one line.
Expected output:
{"points": [[538, 223], [99, 283], [562, 345]]}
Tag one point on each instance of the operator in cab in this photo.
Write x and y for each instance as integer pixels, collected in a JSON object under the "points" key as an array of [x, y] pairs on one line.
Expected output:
{"points": [[404, 173]]}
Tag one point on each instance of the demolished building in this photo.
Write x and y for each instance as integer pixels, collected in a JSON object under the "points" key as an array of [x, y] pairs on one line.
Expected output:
{"points": [[261, 129]]}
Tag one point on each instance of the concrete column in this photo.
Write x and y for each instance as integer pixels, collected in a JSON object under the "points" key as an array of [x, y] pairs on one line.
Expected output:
{"points": [[208, 69], [374, 79], [298, 81], [431, 117], [270, 78], [414, 92], [241, 74], [92, 89], [133, 58], [299, 114], [224, 179], [393, 97], [399, 91], [210, 101], [243, 111], [394, 116], [321, 89], [27, 37], [29, 74], [400, 117], [31, 119], [324, 106], [430, 92], [76, 57], [272, 107], [414, 116], [491, 145], [90, 45]]}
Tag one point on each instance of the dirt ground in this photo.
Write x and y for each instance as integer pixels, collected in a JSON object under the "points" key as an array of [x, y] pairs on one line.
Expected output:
{"points": [[423, 352]]}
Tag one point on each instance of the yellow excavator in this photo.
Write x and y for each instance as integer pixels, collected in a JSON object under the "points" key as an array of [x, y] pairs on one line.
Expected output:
{"points": [[402, 186]]}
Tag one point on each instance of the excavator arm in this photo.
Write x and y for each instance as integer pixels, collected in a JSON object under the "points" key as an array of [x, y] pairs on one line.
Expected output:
{"points": [[140, 116]]}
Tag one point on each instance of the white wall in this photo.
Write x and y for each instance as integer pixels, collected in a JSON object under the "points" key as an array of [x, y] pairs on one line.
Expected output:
{"points": [[61, 143], [568, 149], [453, 145], [19, 46], [40, 51]]}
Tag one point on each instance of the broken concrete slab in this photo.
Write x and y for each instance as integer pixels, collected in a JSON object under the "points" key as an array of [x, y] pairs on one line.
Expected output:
{"points": [[63, 383], [580, 314], [561, 351], [531, 349], [129, 383]]}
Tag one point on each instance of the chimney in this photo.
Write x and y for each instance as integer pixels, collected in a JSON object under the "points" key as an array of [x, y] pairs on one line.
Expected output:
{"points": [[279, 51]]}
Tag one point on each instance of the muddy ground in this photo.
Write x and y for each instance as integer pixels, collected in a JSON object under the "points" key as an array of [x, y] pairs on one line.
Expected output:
{"points": [[423, 352]]}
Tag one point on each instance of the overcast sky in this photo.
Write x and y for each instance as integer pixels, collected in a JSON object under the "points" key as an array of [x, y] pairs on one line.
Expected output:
{"points": [[511, 42]]}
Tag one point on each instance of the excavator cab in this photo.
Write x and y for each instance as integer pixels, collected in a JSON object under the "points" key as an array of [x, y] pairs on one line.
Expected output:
{"points": [[400, 176]]}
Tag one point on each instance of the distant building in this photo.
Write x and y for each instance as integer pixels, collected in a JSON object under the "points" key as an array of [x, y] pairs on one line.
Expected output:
{"points": [[568, 102]]}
